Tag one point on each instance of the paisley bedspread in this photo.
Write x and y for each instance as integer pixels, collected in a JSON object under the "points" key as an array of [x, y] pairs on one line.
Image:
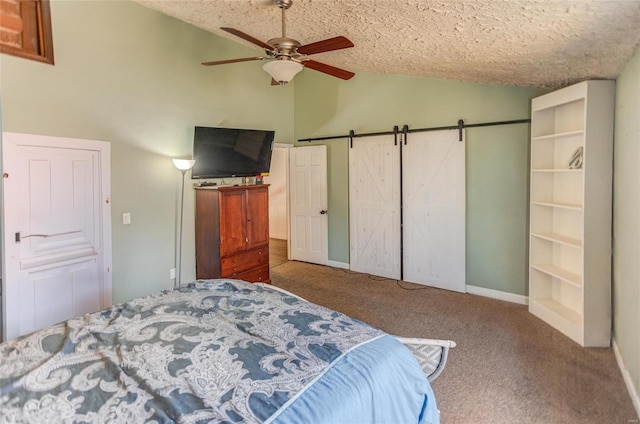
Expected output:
{"points": [[215, 351]]}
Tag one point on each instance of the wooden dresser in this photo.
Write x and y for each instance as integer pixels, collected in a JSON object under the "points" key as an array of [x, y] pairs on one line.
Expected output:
{"points": [[232, 233]]}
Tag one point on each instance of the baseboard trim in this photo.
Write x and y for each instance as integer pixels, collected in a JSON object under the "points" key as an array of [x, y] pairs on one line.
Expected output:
{"points": [[497, 294], [627, 378], [337, 264]]}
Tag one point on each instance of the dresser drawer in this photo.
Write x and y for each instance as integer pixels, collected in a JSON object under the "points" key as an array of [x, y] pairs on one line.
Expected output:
{"points": [[258, 275], [245, 261]]}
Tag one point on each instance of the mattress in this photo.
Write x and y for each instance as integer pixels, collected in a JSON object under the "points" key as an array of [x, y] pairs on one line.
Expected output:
{"points": [[215, 351]]}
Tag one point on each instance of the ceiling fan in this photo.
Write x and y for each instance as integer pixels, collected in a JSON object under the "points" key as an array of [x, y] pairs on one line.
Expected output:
{"points": [[287, 56]]}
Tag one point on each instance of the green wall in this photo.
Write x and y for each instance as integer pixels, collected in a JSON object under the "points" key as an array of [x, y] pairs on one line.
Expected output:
{"points": [[132, 76], [129, 75], [134, 79], [626, 222], [497, 157]]}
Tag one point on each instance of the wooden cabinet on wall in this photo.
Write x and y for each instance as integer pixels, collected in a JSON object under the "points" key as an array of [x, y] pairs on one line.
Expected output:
{"points": [[570, 227], [232, 233]]}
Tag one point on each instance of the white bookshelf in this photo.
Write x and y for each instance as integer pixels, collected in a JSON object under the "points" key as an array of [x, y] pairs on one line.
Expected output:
{"points": [[570, 211]]}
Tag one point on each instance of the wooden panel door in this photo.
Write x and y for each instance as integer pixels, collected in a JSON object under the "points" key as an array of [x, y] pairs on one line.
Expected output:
{"points": [[58, 230], [257, 216], [434, 210], [374, 206], [233, 216], [25, 29], [309, 200]]}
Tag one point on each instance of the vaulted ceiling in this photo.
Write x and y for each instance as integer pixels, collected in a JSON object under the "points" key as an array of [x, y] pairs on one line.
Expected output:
{"points": [[537, 43]]}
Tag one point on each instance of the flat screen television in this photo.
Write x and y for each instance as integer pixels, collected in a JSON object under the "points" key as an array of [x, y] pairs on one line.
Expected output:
{"points": [[231, 152]]}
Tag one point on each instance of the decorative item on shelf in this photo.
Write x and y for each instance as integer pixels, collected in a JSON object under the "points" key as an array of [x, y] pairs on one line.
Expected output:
{"points": [[576, 159], [259, 179], [183, 165]]}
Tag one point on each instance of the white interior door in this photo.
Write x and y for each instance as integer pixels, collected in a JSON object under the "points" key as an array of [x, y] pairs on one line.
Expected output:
{"points": [[57, 240], [434, 210], [308, 204], [374, 206], [277, 180]]}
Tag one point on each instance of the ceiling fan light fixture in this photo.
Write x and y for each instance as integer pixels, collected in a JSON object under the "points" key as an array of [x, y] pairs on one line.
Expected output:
{"points": [[282, 71]]}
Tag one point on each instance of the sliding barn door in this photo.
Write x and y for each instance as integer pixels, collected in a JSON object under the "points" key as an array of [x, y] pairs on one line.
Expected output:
{"points": [[434, 210], [374, 206]]}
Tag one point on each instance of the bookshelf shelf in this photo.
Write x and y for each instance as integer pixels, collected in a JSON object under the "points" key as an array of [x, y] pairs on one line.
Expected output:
{"points": [[570, 210]]}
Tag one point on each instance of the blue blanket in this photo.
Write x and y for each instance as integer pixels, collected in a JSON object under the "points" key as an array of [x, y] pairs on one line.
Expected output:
{"points": [[222, 351]]}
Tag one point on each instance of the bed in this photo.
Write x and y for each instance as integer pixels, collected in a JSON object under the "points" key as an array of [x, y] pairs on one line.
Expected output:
{"points": [[215, 351]]}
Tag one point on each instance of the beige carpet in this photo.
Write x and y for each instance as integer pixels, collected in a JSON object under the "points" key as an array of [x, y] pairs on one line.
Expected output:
{"points": [[508, 366]]}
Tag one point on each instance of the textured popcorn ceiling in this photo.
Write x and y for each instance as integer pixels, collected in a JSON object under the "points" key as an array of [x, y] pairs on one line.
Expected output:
{"points": [[515, 42]]}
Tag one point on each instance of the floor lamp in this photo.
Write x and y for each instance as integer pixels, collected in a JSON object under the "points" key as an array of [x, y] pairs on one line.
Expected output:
{"points": [[183, 165]]}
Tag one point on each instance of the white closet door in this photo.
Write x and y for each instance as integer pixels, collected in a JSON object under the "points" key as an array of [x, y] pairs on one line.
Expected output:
{"points": [[277, 180], [374, 206], [433, 184], [57, 216]]}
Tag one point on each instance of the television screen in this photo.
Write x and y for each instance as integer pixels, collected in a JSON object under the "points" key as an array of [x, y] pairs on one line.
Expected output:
{"points": [[231, 152]]}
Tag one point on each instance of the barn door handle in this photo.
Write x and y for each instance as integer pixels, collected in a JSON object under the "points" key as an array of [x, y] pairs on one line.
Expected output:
{"points": [[323, 212], [19, 236]]}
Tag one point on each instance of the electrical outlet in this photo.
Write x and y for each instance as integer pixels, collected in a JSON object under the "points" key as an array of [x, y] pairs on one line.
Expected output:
{"points": [[126, 218], [172, 273]]}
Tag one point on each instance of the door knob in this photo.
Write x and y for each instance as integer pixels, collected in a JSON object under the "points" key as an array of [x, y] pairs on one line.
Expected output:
{"points": [[19, 236], [323, 212]]}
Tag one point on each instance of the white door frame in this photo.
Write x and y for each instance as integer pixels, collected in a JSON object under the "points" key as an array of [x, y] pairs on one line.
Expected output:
{"points": [[280, 174], [10, 144]]}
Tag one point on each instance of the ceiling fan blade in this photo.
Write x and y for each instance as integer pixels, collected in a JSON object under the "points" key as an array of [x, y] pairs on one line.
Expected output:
{"points": [[328, 69], [222, 62], [274, 82], [335, 43], [248, 38]]}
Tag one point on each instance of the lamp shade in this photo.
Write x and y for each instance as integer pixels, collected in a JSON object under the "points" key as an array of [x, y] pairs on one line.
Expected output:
{"points": [[184, 164], [282, 71]]}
